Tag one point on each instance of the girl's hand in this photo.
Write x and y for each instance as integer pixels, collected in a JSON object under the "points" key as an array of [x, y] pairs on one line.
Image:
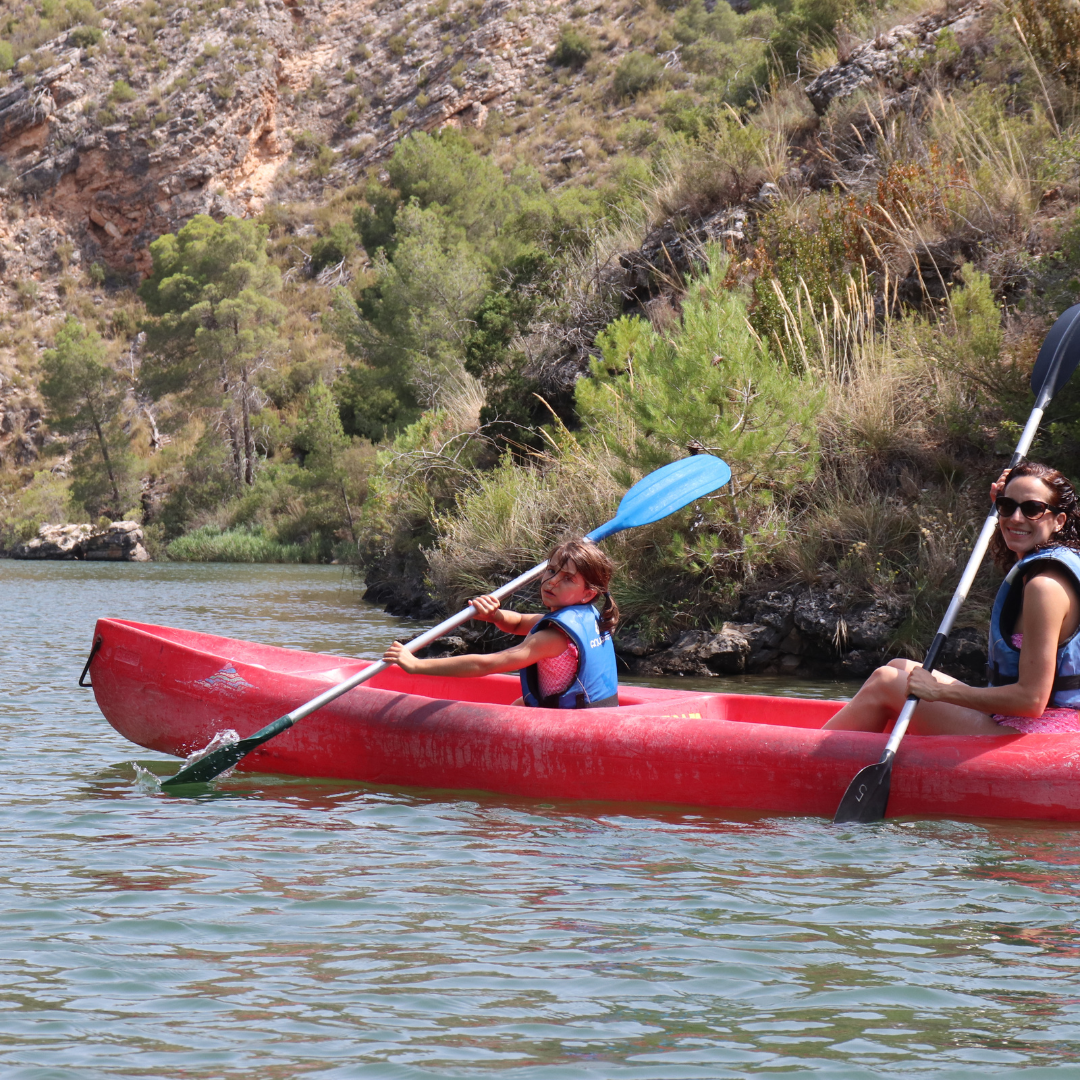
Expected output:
{"points": [[998, 486], [398, 654], [485, 608], [924, 685]]}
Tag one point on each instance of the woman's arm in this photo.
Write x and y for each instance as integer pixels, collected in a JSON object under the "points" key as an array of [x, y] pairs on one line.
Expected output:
{"points": [[487, 609], [541, 646], [1047, 602]]}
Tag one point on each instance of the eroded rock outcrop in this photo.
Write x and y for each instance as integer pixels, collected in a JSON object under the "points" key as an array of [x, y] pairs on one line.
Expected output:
{"points": [[894, 56], [120, 541]]}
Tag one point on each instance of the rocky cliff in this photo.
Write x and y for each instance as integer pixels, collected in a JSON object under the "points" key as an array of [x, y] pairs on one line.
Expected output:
{"points": [[216, 109]]}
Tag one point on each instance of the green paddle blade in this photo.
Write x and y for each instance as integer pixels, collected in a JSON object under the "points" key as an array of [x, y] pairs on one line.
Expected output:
{"points": [[225, 757], [665, 491]]}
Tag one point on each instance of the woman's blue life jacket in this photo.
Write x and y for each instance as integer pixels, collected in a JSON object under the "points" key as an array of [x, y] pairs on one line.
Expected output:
{"points": [[1004, 658], [596, 685]]}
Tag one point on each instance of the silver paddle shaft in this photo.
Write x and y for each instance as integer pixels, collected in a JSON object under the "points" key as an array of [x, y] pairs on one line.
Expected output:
{"points": [[972, 568], [426, 638]]}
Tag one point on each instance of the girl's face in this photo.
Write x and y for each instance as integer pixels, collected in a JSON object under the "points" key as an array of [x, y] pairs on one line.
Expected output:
{"points": [[1022, 534], [563, 586]]}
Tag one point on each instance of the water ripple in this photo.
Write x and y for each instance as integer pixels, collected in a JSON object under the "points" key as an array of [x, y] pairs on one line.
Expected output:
{"points": [[285, 928]]}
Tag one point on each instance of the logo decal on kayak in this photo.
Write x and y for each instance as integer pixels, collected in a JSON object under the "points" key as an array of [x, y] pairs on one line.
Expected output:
{"points": [[227, 681]]}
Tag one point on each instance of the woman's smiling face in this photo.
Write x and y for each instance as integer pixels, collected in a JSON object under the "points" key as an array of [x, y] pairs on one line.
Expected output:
{"points": [[1021, 534]]}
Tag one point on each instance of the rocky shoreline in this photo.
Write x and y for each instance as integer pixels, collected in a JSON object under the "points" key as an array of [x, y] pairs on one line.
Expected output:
{"points": [[119, 541], [797, 631]]}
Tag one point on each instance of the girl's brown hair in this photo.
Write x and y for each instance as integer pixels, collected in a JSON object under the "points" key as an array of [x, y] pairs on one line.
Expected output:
{"points": [[595, 567], [1063, 501]]}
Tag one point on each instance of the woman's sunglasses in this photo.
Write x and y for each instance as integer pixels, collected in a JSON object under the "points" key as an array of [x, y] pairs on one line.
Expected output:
{"points": [[1031, 509]]}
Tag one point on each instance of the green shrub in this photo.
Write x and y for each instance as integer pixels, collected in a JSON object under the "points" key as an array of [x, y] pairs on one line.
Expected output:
{"points": [[244, 544], [708, 379], [329, 250], [573, 49], [1052, 31], [694, 22], [636, 73], [84, 37], [121, 92], [7, 56]]}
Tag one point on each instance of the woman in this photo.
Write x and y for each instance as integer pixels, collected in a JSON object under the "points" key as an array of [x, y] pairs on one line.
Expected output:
{"points": [[1034, 645], [567, 660]]}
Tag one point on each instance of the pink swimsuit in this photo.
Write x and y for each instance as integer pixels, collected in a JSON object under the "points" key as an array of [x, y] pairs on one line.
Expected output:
{"points": [[1053, 721], [557, 674]]}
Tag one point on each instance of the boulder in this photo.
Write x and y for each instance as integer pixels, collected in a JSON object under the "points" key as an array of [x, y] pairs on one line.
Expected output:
{"points": [[965, 655], [701, 653], [829, 624], [121, 541]]}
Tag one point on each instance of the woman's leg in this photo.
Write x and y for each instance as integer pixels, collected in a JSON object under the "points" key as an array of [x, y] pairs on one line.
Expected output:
{"points": [[882, 696]]}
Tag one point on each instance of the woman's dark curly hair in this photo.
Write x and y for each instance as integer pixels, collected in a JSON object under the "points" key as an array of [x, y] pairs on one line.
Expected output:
{"points": [[1063, 500]]}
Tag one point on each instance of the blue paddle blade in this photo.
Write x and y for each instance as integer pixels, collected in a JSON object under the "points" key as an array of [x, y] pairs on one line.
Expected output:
{"points": [[1059, 355], [665, 491]]}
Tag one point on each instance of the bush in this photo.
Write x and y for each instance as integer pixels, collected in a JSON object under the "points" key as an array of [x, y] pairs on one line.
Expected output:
{"points": [[331, 249], [573, 49], [1052, 30], [636, 73], [121, 92], [243, 544], [83, 37]]}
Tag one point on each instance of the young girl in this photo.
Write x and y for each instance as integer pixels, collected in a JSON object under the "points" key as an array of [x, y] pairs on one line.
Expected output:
{"points": [[1034, 638], [567, 660]]}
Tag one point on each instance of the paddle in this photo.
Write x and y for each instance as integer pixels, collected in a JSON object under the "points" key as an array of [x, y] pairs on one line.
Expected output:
{"points": [[868, 794], [650, 499]]}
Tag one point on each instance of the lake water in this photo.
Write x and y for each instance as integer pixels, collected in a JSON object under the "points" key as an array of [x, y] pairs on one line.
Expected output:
{"points": [[284, 928]]}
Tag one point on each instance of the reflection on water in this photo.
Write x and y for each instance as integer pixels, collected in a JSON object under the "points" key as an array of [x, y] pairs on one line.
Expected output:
{"points": [[282, 927]]}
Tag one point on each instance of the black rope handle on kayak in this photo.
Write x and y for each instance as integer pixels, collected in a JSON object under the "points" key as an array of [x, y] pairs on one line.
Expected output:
{"points": [[86, 666]]}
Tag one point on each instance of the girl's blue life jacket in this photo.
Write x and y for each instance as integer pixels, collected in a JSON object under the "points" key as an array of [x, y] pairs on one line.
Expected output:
{"points": [[1004, 658], [597, 683]]}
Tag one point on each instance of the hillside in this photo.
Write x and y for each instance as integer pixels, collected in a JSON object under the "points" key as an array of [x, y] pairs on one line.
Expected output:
{"points": [[421, 286]]}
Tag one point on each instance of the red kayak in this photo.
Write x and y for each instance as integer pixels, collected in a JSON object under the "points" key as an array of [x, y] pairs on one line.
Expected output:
{"points": [[173, 690]]}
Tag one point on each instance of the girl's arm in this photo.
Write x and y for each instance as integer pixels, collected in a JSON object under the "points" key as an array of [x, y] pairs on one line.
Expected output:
{"points": [[541, 646], [511, 622], [1046, 607]]}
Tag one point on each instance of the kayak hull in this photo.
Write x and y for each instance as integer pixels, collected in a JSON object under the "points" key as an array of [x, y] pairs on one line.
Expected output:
{"points": [[172, 690]]}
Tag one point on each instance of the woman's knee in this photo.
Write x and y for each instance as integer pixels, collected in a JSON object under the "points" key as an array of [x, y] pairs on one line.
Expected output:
{"points": [[902, 665], [889, 679]]}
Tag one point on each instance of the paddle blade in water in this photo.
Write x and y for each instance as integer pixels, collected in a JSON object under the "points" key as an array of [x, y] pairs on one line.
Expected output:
{"points": [[665, 491], [205, 769], [217, 761], [1062, 342], [867, 795]]}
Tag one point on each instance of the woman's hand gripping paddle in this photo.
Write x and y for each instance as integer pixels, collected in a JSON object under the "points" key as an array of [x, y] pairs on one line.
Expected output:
{"points": [[867, 795], [656, 496]]}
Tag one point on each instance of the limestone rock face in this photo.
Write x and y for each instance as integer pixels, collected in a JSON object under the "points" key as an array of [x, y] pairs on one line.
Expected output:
{"points": [[889, 55], [122, 541], [236, 95]]}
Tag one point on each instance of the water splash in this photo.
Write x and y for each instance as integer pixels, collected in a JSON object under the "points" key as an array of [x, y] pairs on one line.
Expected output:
{"points": [[220, 739], [145, 780]]}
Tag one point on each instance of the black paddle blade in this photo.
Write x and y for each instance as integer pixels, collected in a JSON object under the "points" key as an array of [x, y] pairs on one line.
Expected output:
{"points": [[1064, 341], [867, 795]]}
